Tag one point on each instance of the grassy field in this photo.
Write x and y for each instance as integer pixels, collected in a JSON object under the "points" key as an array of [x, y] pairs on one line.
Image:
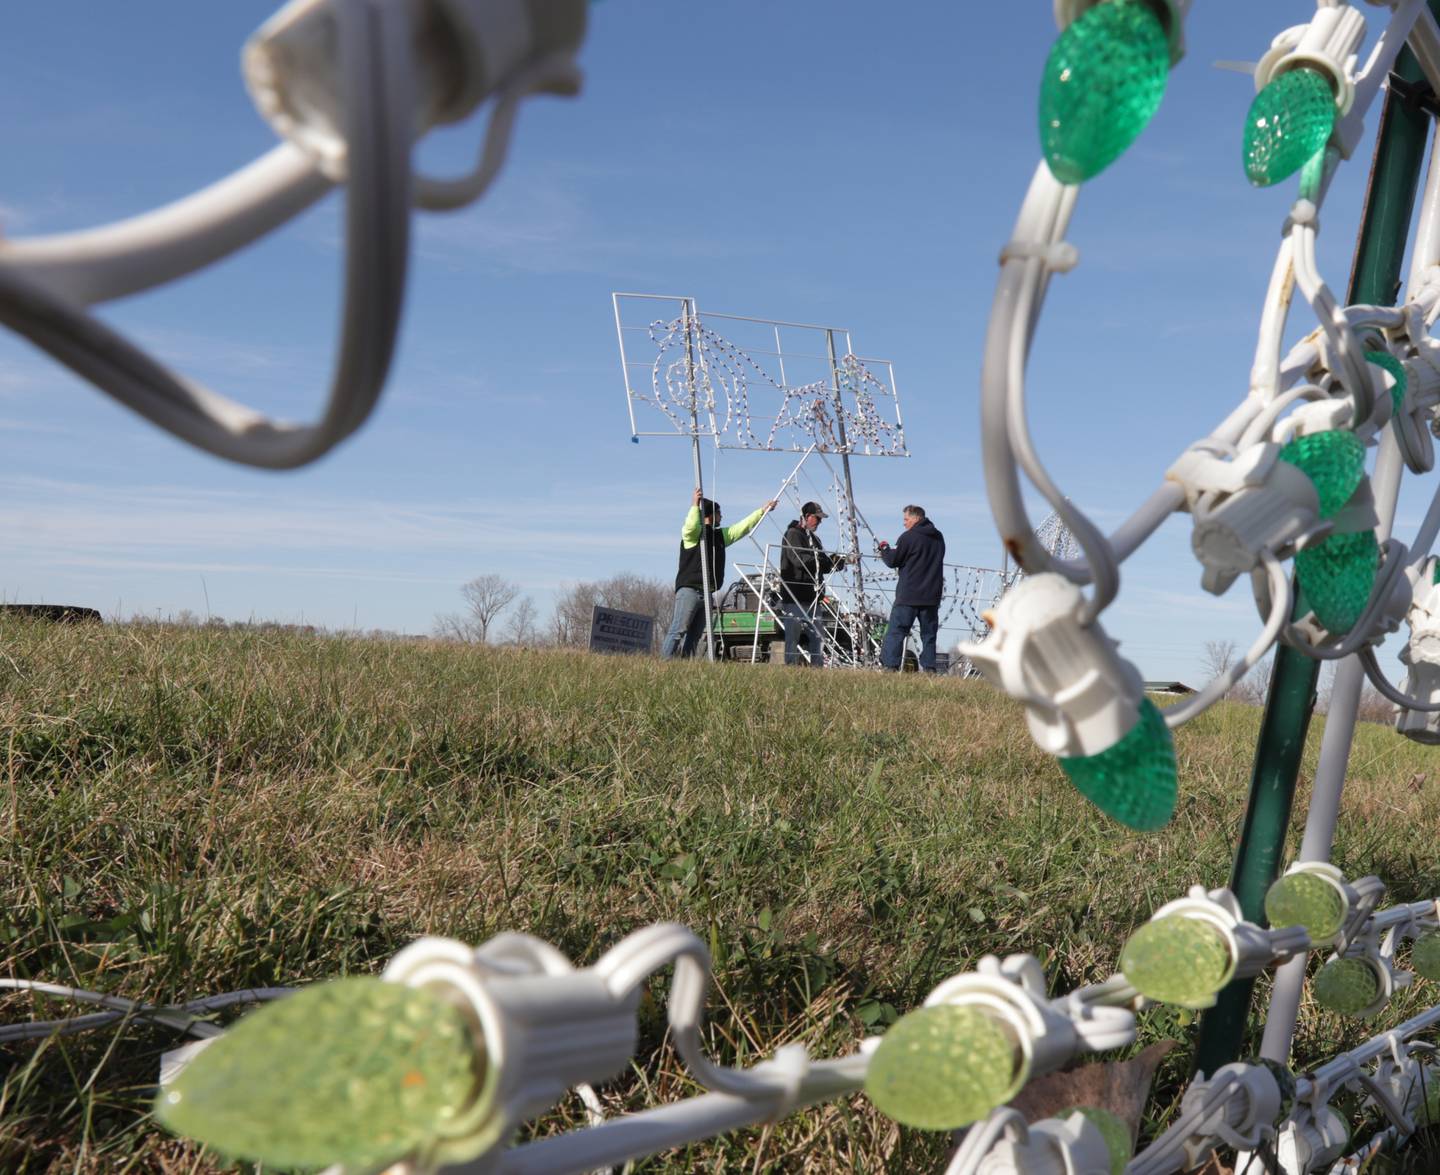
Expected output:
{"points": [[188, 811]]}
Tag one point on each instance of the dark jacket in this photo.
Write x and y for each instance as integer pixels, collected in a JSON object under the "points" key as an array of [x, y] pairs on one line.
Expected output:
{"points": [[804, 564], [919, 554], [716, 539], [689, 573]]}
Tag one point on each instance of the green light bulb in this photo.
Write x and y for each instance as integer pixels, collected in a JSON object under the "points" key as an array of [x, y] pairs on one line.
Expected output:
{"points": [[1334, 460], [1113, 1130], [1337, 574], [1308, 900], [1134, 780], [1397, 373], [1425, 955], [943, 1067], [1103, 82], [1346, 986], [1289, 121], [357, 1072], [1177, 960]]}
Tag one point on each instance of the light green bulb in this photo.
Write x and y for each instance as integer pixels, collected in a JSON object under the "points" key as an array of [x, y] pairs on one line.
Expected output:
{"points": [[942, 1067], [1397, 373], [1337, 575], [1134, 780], [1346, 986], [1103, 82], [1425, 955], [358, 1072], [1308, 900], [1334, 460], [1289, 121], [1113, 1130], [1177, 960]]}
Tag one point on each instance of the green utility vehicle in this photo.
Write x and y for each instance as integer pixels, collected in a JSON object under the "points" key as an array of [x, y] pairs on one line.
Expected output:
{"points": [[748, 635], [745, 630]]}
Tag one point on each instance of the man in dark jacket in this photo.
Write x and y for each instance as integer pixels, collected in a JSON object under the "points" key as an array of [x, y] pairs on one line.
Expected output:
{"points": [[702, 524], [919, 555], [804, 564]]}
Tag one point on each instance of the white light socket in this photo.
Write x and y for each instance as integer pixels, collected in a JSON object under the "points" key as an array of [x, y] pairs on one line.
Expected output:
{"points": [[1069, 1146], [546, 1028], [1081, 697], [1328, 44], [463, 51]]}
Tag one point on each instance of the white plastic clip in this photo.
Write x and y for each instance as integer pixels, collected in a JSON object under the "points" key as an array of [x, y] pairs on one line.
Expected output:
{"points": [[1246, 1116], [1059, 257]]}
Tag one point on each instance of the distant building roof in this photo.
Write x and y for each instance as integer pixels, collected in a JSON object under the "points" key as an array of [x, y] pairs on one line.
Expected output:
{"points": [[1167, 687]]}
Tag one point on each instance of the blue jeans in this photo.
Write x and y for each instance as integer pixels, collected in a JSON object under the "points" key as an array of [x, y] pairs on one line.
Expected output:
{"points": [[798, 619], [902, 617], [687, 626]]}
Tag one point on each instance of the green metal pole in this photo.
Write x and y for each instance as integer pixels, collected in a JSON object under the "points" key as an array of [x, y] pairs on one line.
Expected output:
{"points": [[1374, 279]]}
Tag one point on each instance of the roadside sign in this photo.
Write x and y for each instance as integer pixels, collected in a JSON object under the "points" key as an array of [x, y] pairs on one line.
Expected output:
{"points": [[613, 631]]}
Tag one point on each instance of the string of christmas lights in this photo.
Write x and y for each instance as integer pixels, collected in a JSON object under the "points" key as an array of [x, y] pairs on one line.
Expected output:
{"points": [[698, 372]]}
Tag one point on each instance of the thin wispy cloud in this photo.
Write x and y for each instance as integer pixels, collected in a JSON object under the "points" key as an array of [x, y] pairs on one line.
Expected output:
{"points": [[59, 522], [31, 426]]}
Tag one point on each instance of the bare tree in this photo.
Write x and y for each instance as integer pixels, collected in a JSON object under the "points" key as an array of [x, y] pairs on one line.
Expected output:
{"points": [[521, 628], [1252, 688], [570, 622], [1217, 657], [1374, 706], [1370, 706], [486, 596]]}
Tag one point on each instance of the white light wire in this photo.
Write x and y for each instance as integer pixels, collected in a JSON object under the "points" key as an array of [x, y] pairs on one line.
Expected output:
{"points": [[439, 195], [374, 54], [1391, 692], [1162, 1156], [172, 1016], [981, 1138], [111, 261], [1355, 371], [1280, 605], [44, 281], [1393, 561], [1261, 428]]}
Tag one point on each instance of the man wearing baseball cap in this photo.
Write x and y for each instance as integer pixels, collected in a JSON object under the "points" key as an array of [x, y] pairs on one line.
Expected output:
{"points": [[804, 563]]}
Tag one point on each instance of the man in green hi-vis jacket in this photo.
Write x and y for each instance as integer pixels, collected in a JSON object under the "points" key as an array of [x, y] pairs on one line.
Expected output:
{"points": [[702, 524]]}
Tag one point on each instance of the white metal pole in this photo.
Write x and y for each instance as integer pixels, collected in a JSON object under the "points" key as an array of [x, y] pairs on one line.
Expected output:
{"points": [[857, 574], [625, 367], [689, 313]]}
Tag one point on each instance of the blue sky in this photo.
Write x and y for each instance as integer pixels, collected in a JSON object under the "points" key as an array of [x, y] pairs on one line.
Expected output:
{"points": [[844, 163]]}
